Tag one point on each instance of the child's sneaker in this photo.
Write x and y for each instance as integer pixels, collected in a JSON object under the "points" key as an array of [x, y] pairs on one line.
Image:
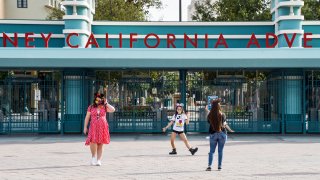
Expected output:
{"points": [[193, 151], [174, 151], [94, 161]]}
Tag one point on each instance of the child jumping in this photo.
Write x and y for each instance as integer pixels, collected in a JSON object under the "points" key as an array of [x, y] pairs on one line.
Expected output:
{"points": [[179, 118]]}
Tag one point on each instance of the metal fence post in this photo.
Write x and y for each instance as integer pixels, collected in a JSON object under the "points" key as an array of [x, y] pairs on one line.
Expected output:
{"points": [[283, 103], [62, 105], [182, 78], [304, 102]]}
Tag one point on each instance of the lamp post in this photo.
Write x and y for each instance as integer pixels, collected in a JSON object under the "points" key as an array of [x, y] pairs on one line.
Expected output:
{"points": [[180, 10]]}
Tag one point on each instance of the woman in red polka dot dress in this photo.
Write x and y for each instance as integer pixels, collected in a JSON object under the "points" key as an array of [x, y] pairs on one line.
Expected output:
{"points": [[98, 133]]}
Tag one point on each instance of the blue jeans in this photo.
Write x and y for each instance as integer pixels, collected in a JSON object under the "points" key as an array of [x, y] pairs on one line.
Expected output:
{"points": [[220, 139]]}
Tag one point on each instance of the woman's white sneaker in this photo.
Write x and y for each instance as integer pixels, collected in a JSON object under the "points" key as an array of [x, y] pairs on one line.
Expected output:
{"points": [[93, 161], [98, 163]]}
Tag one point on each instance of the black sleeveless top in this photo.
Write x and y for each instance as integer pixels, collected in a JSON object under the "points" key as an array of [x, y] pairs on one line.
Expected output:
{"points": [[211, 130]]}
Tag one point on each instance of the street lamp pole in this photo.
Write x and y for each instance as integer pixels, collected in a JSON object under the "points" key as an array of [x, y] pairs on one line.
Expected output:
{"points": [[180, 11]]}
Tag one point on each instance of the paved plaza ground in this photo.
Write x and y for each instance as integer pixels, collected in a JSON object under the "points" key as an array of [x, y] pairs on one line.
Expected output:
{"points": [[141, 156]]}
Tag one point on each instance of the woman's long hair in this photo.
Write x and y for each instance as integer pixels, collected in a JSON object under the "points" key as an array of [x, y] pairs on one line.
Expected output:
{"points": [[215, 116]]}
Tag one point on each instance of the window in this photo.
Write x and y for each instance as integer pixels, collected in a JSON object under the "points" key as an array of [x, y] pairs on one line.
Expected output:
{"points": [[22, 3]]}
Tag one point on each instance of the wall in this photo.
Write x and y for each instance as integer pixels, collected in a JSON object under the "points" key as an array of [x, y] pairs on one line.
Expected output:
{"points": [[36, 10], [1, 9]]}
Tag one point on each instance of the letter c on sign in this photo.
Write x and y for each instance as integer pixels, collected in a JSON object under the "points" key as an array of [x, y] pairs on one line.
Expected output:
{"points": [[68, 40]]}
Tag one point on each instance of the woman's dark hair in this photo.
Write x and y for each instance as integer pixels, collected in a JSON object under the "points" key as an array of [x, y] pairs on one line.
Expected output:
{"points": [[97, 95], [215, 116]]}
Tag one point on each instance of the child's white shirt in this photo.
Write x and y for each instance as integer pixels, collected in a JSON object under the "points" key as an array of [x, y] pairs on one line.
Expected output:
{"points": [[179, 121]]}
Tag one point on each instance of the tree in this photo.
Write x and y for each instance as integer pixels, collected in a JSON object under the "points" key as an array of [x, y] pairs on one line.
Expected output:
{"points": [[246, 10], [232, 10], [311, 10], [55, 14], [205, 11], [118, 10]]}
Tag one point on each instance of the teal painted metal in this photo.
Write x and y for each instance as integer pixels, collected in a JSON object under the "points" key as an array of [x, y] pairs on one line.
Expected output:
{"points": [[159, 58], [293, 101], [80, 21], [288, 100], [73, 94], [38, 42], [137, 107], [283, 123], [283, 11], [296, 43], [292, 24], [288, 20], [313, 127], [251, 106], [312, 101], [69, 9], [62, 110], [32, 27], [75, 97], [135, 121], [314, 43], [180, 29], [232, 43], [21, 112], [182, 78], [248, 105], [76, 24], [84, 11], [304, 106], [282, 100], [311, 28]]}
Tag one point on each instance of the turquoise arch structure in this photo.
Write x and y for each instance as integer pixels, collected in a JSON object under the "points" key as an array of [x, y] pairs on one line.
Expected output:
{"points": [[286, 19]]}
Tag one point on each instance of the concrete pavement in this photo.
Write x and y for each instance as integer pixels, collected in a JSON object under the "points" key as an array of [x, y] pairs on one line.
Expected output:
{"points": [[134, 156]]}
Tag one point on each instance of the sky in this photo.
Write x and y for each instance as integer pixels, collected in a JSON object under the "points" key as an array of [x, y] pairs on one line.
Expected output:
{"points": [[170, 11]]}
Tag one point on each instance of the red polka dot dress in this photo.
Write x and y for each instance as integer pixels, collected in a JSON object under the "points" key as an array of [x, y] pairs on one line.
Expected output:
{"points": [[99, 128]]}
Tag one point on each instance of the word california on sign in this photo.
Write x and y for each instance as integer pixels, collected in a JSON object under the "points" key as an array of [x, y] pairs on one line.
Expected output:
{"points": [[218, 41]]}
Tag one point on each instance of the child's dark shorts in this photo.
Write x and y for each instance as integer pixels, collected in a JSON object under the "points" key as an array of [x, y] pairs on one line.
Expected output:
{"points": [[178, 132]]}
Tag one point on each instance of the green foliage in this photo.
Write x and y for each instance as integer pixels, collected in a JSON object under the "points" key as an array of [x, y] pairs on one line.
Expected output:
{"points": [[204, 11], [170, 82], [55, 14], [232, 10], [149, 100], [252, 77], [311, 10], [195, 80], [239, 109], [137, 108], [246, 10], [3, 75], [111, 76], [117, 10]]}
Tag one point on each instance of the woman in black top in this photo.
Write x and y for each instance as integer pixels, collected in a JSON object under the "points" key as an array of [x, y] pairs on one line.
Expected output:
{"points": [[218, 132]]}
